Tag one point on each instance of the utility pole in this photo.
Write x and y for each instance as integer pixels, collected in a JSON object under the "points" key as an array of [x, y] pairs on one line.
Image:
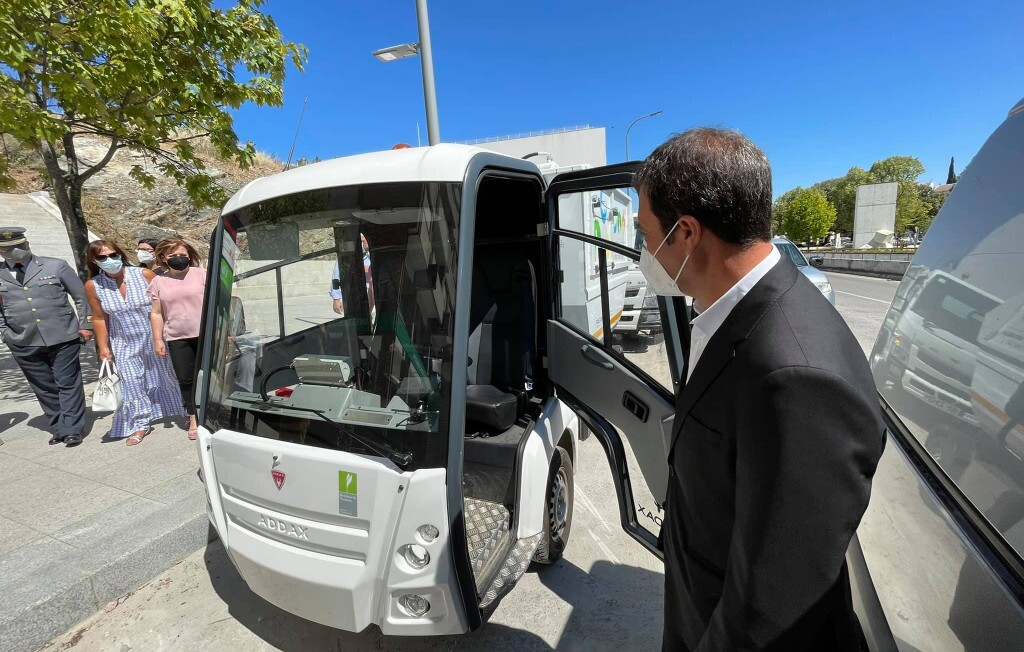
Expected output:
{"points": [[299, 124]]}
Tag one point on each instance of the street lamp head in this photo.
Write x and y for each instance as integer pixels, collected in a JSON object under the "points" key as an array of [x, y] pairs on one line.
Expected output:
{"points": [[655, 113], [396, 52]]}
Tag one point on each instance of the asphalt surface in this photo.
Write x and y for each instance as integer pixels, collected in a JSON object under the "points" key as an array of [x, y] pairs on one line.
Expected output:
{"points": [[863, 302], [605, 594]]}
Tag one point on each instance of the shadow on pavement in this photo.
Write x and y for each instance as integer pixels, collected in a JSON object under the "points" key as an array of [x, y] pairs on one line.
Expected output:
{"points": [[8, 421], [606, 614]]}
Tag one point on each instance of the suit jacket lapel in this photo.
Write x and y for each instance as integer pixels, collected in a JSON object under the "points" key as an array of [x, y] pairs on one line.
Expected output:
{"points": [[33, 267], [6, 275], [736, 328]]}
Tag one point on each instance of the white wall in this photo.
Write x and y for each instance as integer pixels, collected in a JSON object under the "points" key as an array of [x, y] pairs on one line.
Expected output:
{"points": [[876, 210], [567, 147]]}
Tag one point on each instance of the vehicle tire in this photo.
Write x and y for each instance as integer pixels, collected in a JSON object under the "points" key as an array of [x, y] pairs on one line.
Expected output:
{"points": [[558, 509]]}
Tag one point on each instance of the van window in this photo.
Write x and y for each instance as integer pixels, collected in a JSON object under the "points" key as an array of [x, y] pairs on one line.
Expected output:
{"points": [[950, 357]]}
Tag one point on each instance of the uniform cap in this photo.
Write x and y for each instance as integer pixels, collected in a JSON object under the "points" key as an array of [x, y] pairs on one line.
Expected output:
{"points": [[12, 235]]}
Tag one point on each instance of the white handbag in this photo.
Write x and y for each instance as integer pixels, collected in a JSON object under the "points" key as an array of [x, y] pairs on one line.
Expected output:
{"points": [[107, 395]]}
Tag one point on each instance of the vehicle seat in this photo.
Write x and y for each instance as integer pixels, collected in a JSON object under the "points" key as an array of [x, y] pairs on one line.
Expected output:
{"points": [[502, 341]]}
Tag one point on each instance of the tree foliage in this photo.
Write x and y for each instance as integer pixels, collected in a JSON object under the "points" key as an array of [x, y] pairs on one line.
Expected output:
{"points": [[149, 75], [780, 206], [808, 215], [915, 206], [951, 175]]}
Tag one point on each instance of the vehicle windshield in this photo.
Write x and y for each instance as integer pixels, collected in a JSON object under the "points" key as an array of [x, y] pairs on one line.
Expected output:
{"points": [[790, 251], [333, 320]]}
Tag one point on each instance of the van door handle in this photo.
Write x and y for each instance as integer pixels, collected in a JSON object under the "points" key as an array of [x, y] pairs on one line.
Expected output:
{"points": [[593, 356]]}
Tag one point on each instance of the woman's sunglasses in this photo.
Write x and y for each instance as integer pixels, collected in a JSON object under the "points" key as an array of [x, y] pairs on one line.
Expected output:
{"points": [[113, 256]]}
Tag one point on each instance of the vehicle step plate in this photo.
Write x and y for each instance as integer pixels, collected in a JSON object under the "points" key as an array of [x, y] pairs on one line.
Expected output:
{"points": [[486, 527], [515, 565]]}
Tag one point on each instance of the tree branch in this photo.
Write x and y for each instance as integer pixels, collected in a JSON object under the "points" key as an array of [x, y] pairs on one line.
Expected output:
{"points": [[84, 176], [176, 140]]}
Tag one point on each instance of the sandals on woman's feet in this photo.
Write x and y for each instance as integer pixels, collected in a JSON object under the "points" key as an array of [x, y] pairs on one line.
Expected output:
{"points": [[137, 438]]}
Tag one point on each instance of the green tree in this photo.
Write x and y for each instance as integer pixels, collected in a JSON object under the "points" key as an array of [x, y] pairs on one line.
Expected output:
{"points": [[842, 193], [951, 175], [780, 206], [150, 76], [932, 202], [808, 215]]}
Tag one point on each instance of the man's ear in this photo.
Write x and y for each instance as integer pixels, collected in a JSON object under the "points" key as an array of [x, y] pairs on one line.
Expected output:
{"points": [[689, 228]]}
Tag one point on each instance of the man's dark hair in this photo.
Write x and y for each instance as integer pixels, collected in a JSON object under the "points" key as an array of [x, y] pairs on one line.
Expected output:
{"points": [[716, 175]]}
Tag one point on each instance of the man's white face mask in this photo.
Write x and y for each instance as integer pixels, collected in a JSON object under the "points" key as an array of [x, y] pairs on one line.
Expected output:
{"points": [[658, 279]]}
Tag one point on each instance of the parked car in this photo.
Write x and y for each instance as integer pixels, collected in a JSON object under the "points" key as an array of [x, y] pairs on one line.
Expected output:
{"points": [[809, 269]]}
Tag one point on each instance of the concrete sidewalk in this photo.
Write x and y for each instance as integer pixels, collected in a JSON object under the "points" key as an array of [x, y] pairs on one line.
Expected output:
{"points": [[82, 526]]}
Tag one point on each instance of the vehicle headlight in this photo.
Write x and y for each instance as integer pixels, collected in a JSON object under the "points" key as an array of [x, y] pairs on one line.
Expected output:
{"points": [[824, 286], [415, 555], [651, 301], [414, 605], [427, 532]]}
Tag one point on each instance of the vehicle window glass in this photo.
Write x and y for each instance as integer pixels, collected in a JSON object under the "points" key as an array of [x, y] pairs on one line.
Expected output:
{"points": [[950, 356], [353, 327], [790, 251], [633, 314]]}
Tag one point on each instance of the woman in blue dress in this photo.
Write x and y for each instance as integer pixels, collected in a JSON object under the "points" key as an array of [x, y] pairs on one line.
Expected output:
{"points": [[120, 310]]}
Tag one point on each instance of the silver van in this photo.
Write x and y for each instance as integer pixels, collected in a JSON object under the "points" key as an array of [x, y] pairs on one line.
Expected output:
{"points": [[942, 542]]}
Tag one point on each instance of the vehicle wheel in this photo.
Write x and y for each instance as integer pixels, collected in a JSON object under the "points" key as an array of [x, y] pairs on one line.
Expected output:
{"points": [[558, 509]]}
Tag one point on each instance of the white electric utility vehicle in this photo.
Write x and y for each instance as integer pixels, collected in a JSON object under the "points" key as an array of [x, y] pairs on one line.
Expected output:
{"points": [[400, 456]]}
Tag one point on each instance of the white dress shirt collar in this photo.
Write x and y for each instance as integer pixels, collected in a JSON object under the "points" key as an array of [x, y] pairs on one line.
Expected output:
{"points": [[707, 323]]}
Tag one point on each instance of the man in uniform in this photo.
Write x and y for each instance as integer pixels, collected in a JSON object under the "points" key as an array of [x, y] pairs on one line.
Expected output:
{"points": [[43, 333]]}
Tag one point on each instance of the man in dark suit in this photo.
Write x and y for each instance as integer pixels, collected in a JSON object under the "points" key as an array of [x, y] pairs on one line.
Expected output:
{"points": [[42, 331], [778, 428]]}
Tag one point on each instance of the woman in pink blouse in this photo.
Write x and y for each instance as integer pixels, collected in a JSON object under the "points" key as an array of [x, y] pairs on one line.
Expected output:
{"points": [[177, 310]]}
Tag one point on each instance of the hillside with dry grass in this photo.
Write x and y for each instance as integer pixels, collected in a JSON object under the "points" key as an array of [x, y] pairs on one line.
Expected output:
{"points": [[119, 209]]}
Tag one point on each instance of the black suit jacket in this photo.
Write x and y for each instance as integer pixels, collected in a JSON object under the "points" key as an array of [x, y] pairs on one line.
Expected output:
{"points": [[777, 435]]}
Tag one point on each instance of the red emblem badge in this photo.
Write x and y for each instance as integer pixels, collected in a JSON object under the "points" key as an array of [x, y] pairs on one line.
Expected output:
{"points": [[278, 479]]}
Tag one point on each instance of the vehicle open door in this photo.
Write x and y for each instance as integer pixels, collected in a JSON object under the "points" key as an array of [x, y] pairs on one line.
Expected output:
{"points": [[622, 387]]}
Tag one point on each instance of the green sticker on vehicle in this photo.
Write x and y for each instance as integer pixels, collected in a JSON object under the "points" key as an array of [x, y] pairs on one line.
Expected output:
{"points": [[227, 274], [348, 490]]}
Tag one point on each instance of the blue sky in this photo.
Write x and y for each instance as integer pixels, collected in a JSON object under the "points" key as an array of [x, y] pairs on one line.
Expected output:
{"points": [[820, 86]]}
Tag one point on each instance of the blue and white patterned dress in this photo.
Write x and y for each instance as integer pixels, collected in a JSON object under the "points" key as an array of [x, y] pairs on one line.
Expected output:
{"points": [[148, 385]]}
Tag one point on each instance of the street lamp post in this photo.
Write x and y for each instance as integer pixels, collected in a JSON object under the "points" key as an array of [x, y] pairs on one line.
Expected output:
{"points": [[422, 48], [649, 115]]}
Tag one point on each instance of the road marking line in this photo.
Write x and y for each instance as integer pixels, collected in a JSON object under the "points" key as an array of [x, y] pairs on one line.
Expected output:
{"points": [[863, 297], [604, 548], [593, 510]]}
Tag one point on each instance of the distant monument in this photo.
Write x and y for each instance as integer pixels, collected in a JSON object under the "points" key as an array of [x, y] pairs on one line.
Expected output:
{"points": [[874, 219]]}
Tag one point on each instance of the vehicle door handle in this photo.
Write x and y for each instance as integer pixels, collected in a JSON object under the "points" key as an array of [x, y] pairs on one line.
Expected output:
{"points": [[593, 356], [635, 406]]}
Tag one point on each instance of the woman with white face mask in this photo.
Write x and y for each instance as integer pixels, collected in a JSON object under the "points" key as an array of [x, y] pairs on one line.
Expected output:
{"points": [[121, 309], [145, 251]]}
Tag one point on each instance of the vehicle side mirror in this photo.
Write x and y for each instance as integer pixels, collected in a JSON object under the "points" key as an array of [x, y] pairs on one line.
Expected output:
{"points": [[817, 261]]}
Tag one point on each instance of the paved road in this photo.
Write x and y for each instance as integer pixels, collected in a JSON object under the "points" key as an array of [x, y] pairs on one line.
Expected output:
{"points": [[606, 594], [863, 302]]}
